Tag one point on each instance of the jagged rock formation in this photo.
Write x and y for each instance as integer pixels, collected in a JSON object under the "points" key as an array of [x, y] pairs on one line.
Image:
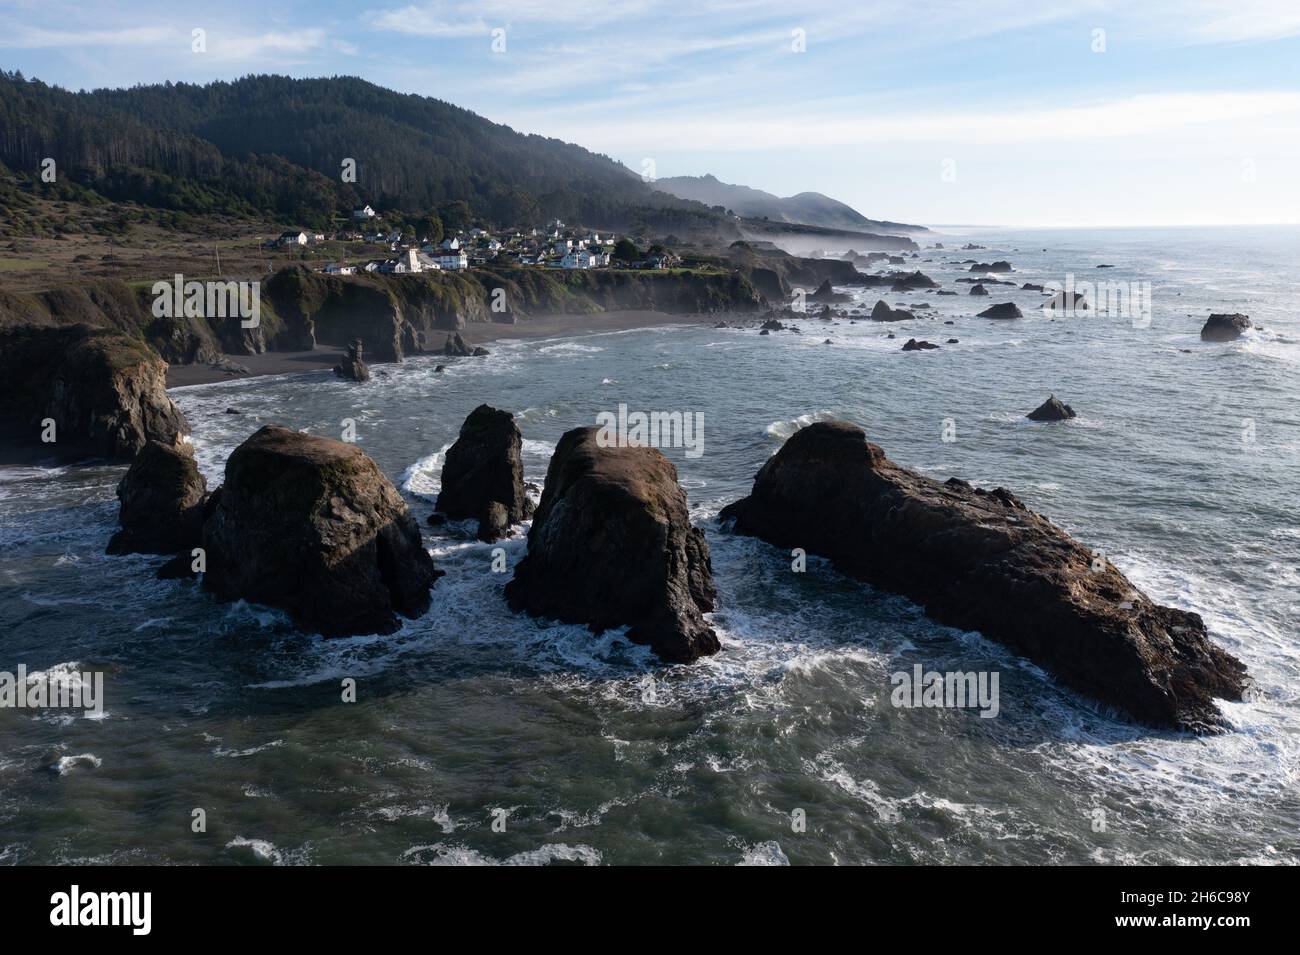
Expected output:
{"points": [[981, 560], [353, 367]]}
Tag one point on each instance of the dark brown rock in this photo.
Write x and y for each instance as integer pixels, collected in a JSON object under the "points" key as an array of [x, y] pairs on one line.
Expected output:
{"points": [[612, 545], [914, 345], [312, 526], [981, 560], [483, 467], [105, 392], [353, 367], [978, 289], [1053, 409], [883, 313], [1224, 328], [162, 498], [1002, 310]]}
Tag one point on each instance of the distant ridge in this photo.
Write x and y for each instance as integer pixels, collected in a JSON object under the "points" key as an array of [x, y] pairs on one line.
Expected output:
{"points": [[806, 208]]}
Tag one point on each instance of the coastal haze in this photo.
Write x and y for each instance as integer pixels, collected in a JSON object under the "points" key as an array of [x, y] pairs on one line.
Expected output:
{"points": [[297, 334]]}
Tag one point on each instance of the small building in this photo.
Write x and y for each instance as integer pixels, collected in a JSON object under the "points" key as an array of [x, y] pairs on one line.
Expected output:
{"points": [[334, 268], [365, 212], [292, 238]]}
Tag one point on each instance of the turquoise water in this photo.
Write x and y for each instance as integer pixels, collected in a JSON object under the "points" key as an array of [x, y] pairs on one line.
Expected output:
{"points": [[1183, 466]]}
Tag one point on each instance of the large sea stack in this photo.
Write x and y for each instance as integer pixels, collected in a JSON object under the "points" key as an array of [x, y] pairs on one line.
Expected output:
{"points": [[485, 467], [312, 526], [981, 560], [612, 545]]}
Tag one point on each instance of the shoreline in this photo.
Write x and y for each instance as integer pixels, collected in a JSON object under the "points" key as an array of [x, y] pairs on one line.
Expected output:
{"points": [[325, 357]]}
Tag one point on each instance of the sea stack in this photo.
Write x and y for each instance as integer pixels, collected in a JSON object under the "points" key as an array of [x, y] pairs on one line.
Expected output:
{"points": [[612, 545], [485, 467], [1224, 328], [981, 560], [312, 526], [162, 497], [352, 366]]}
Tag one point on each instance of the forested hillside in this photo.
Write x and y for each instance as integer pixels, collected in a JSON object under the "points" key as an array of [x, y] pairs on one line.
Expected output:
{"points": [[275, 146]]}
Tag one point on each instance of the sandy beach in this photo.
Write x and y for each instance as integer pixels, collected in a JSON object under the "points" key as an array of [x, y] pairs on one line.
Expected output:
{"points": [[548, 326]]}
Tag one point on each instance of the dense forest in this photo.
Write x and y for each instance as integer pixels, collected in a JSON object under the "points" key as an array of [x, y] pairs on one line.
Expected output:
{"points": [[275, 146]]}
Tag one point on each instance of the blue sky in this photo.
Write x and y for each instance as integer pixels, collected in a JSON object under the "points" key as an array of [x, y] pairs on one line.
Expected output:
{"points": [[980, 112]]}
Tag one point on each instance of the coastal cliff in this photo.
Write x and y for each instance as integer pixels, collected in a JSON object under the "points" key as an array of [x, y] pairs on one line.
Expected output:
{"points": [[392, 314]]}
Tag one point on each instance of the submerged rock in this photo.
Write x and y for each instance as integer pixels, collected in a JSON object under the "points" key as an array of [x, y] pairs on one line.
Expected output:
{"points": [[162, 497], [1224, 328], [1053, 409], [981, 560], [312, 526], [1002, 310], [914, 345], [485, 466], [612, 545], [352, 366]]}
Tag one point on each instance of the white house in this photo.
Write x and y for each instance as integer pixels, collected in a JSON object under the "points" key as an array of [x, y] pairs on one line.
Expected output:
{"points": [[292, 238], [335, 268], [365, 212], [451, 259], [452, 243]]}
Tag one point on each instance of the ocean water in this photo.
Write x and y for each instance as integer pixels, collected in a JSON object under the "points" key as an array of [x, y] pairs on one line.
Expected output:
{"points": [[1183, 466]]}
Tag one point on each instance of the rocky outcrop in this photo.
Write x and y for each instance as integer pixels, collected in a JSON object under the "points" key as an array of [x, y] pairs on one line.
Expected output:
{"points": [[912, 280], [485, 467], [978, 289], [1000, 266], [981, 560], [311, 525], [353, 367], [825, 293], [162, 497], [1002, 310], [457, 347], [881, 312], [105, 393], [914, 345], [1224, 328], [612, 545], [1066, 302], [1053, 409]]}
